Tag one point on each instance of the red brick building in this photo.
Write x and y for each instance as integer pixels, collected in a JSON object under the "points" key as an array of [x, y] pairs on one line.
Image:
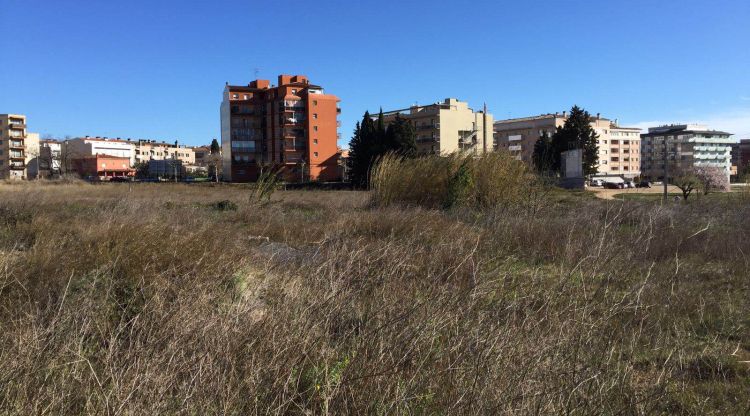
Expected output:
{"points": [[292, 127], [102, 167]]}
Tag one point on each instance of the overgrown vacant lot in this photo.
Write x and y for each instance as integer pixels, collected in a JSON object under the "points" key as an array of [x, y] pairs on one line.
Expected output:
{"points": [[162, 299]]}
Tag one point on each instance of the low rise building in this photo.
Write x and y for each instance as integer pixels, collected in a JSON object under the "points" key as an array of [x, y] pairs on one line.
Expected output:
{"points": [[684, 147], [102, 167], [448, 126], [166, 169], [85, 147], [619, 147]]}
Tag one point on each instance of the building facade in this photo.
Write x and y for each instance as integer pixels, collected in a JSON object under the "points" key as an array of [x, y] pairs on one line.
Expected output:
{"points": [[448, 126], [17, 147], [146, 150], [84, 147], [683, 147], [102, 167], [743, 155], [292, 127], [619, 147], [50, 156]]}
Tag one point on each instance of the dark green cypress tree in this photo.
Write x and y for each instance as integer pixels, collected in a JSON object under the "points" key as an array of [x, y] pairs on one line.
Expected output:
{"points": [[543, 156], [362, 151], [215, 148], [401, 137]]}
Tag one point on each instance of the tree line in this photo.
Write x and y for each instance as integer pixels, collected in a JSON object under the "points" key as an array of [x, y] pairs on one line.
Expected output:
{"points": [[372, 139]]}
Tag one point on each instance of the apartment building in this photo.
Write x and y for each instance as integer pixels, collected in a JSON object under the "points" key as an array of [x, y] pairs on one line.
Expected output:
{"points": [[292, 126], [740, 156], [146, 150], [448, 126], [50, 157], [86, 147], [685, 146], [17, 147], [619, 147], [202, 155]]}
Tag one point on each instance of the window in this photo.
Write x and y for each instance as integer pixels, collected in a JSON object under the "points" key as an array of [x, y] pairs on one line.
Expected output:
{"points": [[315, 154], [315, 128], [315, 102], [315, 141], [234, 95], [294, 92], [315, 115], [245, 96]]}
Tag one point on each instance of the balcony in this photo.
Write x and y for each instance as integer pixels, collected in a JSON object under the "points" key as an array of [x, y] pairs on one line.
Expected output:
{"points": [[17, 125], [17, 165], [15, 144]]}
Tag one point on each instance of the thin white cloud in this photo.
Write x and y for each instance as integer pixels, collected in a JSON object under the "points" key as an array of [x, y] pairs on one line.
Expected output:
{"points": [[744, 98], [736, 122]]}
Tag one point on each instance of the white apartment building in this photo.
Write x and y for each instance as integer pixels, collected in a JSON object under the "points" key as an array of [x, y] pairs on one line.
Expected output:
{"points": [[447, 127], [685, 146], [89, 146]]}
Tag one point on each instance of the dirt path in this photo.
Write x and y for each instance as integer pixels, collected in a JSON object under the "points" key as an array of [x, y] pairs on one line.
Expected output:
{"points": [[610, 193]]}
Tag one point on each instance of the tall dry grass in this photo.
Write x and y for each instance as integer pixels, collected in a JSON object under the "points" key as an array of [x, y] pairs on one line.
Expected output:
{"points": [[460, 179], [147, 299]]}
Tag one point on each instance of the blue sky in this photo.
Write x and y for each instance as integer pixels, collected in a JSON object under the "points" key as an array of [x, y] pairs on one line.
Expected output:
{"points": [[156, 69]]}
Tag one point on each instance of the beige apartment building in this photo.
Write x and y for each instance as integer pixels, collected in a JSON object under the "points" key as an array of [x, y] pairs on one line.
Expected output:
{"points": [[146, 150], [17, 147], [447, 127], [619, 147]]}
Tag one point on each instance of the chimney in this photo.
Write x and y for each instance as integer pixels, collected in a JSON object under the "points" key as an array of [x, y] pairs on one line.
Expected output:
{"points": [[565, 113]]}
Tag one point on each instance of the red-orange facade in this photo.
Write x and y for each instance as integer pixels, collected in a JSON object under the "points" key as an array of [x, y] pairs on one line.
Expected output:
{"points": [[291, 127], [103, 166]]}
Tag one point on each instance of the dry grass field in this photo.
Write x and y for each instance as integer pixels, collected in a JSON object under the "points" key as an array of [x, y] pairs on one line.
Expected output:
{"points": [[140, 299]]}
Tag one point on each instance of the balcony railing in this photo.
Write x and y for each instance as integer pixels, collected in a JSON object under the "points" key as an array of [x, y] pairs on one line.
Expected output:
{"points": [[15, 144], [17, 125]]}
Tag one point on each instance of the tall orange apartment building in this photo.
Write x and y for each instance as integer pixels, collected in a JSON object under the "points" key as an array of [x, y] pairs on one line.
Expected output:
{"points": [[292, 127]]}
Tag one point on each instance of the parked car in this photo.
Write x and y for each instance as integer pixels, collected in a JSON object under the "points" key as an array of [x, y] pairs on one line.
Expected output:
{"points": [[613, 185], [631, 184], [596, 182], [119, 179], [644, 184]]}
